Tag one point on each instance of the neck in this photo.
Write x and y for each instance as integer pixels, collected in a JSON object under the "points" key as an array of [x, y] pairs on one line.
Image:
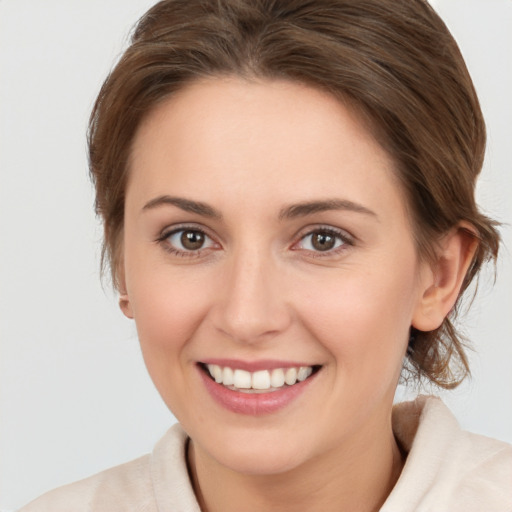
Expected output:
{"points": [[356, 477]]}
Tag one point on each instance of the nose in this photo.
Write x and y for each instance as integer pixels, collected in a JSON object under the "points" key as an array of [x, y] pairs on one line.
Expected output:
{"points": [[252, 305]]}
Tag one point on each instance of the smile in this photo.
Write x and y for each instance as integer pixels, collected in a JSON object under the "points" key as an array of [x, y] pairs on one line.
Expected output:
{"points": [[262, 391], [259, 381]]}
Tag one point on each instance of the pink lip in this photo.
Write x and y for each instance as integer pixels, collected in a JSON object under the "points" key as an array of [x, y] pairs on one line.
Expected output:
{"points": [[254, 366], [253, 404]]}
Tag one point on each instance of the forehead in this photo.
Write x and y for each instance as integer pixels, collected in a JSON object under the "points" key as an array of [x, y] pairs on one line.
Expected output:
{"points": [[277, 139]]}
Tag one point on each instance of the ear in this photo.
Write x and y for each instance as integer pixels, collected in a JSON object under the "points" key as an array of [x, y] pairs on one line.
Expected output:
{"points": [[443, 281], [124, 304], [124, 298]]}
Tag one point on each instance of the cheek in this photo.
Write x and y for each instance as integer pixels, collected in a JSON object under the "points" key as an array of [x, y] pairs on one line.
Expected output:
{"points": [[167, 312], [363, 319], [167, 307]]}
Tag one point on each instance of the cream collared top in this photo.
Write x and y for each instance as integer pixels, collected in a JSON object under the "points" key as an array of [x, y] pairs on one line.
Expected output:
{"points": [[447, 470]]}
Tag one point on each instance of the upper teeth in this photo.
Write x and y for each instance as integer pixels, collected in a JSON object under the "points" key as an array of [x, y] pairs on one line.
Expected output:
{"points": [[262, 379]]}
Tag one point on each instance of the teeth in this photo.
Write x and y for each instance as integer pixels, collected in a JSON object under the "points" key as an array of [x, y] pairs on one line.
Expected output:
{"points": [[217, 373], [290, 376], [227, 376], [242, 379], [304, 372], [260, 380], [277, 378]]}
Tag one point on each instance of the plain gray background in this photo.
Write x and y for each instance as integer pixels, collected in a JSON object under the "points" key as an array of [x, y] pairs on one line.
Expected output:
{"points": [[74, 394]]}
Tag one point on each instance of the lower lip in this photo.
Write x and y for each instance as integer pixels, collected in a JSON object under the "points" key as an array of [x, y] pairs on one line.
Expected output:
{"points": [[254, 404]]}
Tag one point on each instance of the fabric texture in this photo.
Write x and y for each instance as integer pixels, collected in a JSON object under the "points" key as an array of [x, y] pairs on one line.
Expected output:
{"points": [[447, 470]]}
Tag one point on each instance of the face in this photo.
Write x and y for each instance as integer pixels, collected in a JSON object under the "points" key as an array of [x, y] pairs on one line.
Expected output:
{"points": [[266, 240]]}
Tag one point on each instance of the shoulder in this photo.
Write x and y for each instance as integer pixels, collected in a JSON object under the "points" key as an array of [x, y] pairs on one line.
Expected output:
{"points": [[448, 468], [110, 490], [130, 486]]}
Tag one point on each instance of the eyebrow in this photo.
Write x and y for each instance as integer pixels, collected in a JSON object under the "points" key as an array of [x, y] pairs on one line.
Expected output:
{"points": [[186, 205], [307, 208], [290, 212]]}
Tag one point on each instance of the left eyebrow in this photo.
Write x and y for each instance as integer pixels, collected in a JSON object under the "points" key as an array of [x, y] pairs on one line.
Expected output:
{"points": [[307, 208]]}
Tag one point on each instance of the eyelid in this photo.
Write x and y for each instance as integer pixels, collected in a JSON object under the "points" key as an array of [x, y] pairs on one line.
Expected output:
{"points": [[347, 239], [168, 231]]}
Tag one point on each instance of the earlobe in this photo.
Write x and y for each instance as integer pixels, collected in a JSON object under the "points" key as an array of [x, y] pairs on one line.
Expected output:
{"points": [[125, 305], [442, 285], [124, 299]]}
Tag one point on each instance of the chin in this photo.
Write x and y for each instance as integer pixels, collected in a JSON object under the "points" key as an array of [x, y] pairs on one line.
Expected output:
{"points": [[253, 451], [260, 462]]}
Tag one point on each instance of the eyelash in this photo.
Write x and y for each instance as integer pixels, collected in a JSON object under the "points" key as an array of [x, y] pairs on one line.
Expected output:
{"points": [[164, 241], [346, 241]]}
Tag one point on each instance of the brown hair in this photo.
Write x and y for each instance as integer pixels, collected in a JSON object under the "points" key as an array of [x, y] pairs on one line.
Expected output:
{"points": [[393, 60]]}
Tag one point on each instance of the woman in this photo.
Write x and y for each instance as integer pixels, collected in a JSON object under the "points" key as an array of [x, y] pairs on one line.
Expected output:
{"points": [[287, 190]]}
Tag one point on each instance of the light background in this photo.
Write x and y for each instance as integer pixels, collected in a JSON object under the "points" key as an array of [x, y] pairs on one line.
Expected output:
{"points": [[74, 395]]}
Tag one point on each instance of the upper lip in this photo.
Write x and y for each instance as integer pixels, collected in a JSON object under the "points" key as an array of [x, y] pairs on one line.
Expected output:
{"points": [[254, 366]]}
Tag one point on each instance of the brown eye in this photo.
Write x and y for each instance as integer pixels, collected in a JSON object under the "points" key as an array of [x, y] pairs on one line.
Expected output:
{"points": [[323, 241], [187, 241], [192, 240]]}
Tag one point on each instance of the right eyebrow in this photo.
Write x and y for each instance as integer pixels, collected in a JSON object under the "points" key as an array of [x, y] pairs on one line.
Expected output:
{"points": [[186, 205]]}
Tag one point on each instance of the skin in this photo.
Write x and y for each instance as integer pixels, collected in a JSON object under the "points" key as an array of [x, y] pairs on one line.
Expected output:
{"points": [[258, 289]]}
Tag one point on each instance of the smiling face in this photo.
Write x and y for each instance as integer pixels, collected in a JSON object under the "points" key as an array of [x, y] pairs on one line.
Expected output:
{"points": [[264, 232]]}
